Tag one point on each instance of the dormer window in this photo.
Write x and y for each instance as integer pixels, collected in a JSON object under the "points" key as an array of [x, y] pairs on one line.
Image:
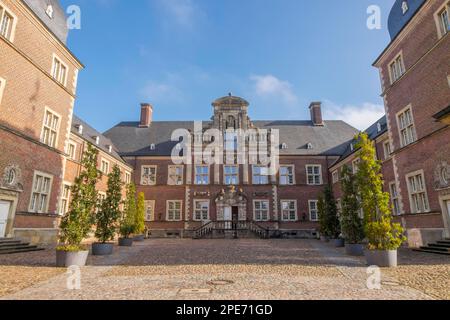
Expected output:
{"points": [[152, 147], [110, 148], [96, 139], [284, 146], [379, 127], [405, 7], [352, 147], [80, 129], [309, 146], [49, 11]]}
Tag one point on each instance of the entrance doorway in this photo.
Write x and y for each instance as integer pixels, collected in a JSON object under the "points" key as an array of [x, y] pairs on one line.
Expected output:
{"points": [[5, 207]]}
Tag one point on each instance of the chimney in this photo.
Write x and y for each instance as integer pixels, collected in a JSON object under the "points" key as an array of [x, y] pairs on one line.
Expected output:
{"points": [[316, 113], [146, 115]]}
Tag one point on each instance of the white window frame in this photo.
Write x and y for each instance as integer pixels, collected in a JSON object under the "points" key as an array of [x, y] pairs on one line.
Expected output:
{"points": [[315, 202], [409, 129], [202, 175], [12, 26], [74, 155], [258, 178], [50, 129], [387, 150], [335, 176], [2, 88], [414, 193], [168, 210], [149, 216], [175, 179], [127, 177], [399, 68], [439, 17], [288, 175], [255, 210], [150, 182], [58, 73], [395, 199], [225, 175], [355, 167], [200, 211], [314, 175], [36, 207], [63, 209], [282, 211], [104, 161]]}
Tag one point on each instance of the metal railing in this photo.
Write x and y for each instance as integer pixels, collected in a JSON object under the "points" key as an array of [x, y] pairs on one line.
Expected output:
{"points": [[223, 226]]}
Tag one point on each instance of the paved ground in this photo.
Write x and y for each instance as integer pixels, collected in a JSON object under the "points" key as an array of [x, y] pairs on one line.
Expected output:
{"points": [[226, 269]]}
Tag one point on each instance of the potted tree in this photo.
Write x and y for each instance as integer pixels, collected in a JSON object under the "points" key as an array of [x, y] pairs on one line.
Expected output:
{"points": [[108, 215], [323, 226], [127, 222], [77, 222], [384, 236], [139, 226], [332, 218], [351, 222]]}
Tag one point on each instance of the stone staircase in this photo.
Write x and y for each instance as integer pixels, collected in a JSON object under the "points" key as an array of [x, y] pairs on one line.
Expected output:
{"points": [[10, 246], [441, 247], [230, 230]]}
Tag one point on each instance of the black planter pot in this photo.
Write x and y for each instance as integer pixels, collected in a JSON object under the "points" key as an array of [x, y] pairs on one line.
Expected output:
{"points": [[125, 242], [338, 243], [354, 249], [102, 249], [65, 259], [139, 238]]}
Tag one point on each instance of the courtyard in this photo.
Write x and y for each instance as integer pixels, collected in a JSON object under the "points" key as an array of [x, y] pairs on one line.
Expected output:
{"points": [[177, 269]]}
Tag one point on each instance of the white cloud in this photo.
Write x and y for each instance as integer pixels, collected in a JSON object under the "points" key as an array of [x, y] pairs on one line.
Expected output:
{"points": [[269, 86], [360, 117], [183, 12], [161, 92]]}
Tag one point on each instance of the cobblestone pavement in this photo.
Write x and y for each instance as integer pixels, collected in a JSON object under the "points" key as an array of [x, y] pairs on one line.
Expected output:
{"points": [[235, 269]]}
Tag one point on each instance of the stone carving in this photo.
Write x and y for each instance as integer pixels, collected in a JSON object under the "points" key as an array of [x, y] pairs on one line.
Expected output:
{"points": [[231, 197], [442, 176], [12, 178]]}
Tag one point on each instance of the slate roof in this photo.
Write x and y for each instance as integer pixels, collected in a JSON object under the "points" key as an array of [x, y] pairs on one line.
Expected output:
{"points": [[397, 20], [88, 135], [373, 132], [57, 25], [330, 139]]}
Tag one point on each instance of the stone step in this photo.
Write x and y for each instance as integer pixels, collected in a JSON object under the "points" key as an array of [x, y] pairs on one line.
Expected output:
{"points": [[428, 250], [430, 247], [444, 242], [13, 245], [439, 245], [21, 250], [9, 241]]}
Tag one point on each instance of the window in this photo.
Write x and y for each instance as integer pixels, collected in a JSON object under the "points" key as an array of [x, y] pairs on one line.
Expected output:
{"points": [[148, 175], [444, 24], [201, 210], [150, 210], [406, 127], [394, 198], [71, 149], [49, 11], [287, 175], [59, 71], [261, 210], [355, 165], [387, 150], [313, 211], [2, 88], [260, 175], [42, 184], [65, 199], [7, 23], [50, 128], [127, 177], [174, 210], [417, 192], [175, 175], [104, 166], [231, 141], [100, 198], [314, 174], [289, 210], [397, 68], [231, 175], [335, 176], [201, 175]]}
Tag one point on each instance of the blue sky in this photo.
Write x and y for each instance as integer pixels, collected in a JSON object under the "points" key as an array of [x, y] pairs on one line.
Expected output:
{"points": [[180, 55]]}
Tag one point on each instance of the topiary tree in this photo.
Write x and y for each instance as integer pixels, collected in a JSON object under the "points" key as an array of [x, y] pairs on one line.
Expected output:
{"points": [[140, 215], [322, 216], [381, 232], [127, 222], [109, 212], [77, 222], [351, 224], [331, 212]]}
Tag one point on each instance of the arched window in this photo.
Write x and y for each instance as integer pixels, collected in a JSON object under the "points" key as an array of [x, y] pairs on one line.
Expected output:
{"points": [[231, 122]]}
